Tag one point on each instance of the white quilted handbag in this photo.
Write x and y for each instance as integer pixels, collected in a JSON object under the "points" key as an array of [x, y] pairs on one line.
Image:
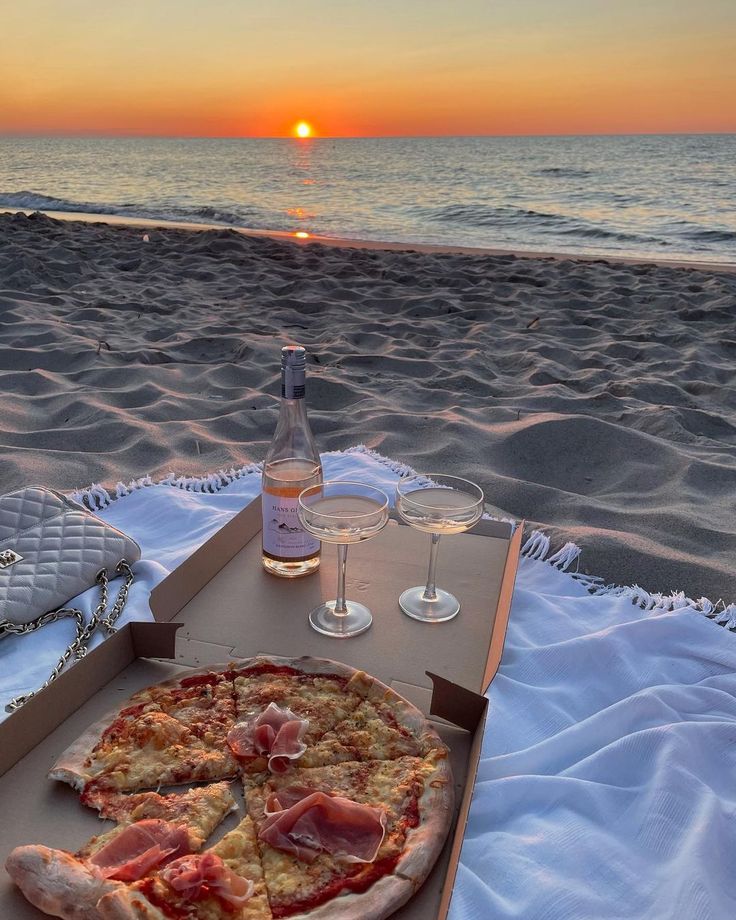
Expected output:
{"points": [[52, 549]]}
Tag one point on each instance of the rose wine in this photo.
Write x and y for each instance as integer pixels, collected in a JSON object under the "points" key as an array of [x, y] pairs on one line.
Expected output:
{"points": [[439, 510], [292, 464], [345, 518]]}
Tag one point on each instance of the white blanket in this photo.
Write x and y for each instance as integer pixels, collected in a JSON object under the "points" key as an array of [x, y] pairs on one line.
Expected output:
{"points": [[606, 788]]}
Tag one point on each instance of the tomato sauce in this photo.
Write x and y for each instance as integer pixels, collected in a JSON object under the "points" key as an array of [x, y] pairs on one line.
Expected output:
{"points": [[355, 885], [199, 680], [148, 889], [121, 723]]}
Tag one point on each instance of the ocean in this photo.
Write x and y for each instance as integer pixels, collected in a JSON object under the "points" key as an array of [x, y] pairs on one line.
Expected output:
{"points": [[671, 196]]}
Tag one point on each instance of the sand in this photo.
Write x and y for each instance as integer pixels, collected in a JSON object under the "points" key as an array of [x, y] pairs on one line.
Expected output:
{"points": [[595, 399]]}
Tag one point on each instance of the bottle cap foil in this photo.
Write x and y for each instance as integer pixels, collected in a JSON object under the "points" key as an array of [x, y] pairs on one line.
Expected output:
{"points": [[293, 356], [293, 371]]}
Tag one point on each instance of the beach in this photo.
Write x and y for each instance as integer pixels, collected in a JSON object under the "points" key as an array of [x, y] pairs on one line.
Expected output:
{"points": [[596, 399]]}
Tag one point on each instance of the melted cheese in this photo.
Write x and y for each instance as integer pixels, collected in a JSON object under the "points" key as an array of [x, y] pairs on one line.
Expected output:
{"points": [[370, 732]]}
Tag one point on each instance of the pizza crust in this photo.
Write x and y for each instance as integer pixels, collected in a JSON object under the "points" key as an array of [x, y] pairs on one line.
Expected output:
{"points": [[408, 716], [57, 883], [358, 681], [424, 843], [125, 904], [70, 767], [384, 897]]}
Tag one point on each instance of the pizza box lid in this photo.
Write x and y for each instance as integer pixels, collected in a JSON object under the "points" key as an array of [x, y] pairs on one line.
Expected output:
{"points": [[223, 597]]}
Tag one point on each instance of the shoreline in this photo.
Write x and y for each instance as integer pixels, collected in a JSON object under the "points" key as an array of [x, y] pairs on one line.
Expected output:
{"points": [[294, 237]]}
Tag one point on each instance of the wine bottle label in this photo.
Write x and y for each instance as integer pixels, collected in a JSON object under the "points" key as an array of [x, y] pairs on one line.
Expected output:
{"points": [[283, 535]]}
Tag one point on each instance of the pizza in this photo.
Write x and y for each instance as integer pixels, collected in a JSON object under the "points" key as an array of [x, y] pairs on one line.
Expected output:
{"points": [[347, 798]]}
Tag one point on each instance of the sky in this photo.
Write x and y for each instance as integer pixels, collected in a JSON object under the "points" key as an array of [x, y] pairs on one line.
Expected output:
{"points": [[374, 67]]}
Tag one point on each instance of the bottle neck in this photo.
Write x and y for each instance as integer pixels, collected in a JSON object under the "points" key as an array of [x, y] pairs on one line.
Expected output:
{"points": [[292, 383], [293, 437], [292, 411]]}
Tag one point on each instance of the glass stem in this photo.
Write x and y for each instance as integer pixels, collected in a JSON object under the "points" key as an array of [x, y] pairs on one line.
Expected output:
{"points": [[430, 592], [342, 561]]}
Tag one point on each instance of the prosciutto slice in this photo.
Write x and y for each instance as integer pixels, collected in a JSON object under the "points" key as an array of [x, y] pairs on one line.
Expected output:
{"points": [[276, 734], [199, 875], [139, 848], [305, 823]]}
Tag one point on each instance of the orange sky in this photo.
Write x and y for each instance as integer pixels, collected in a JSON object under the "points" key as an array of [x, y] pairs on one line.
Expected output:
{"points": [[367, 67]]}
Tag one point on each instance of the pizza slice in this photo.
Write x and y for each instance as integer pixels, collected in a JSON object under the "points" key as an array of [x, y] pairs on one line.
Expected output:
{"points": [[318, 693], [385, 728], [203, 806], [169, 734], [222, 883], [319, 841], [153, 831], [203, 701], [200, 809]]}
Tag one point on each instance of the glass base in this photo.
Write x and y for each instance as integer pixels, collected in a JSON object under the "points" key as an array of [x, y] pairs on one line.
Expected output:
{"points": [[444, 607], [353, 623]]}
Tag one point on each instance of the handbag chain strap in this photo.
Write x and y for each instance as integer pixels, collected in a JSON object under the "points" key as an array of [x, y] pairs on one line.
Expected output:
{"points": [[79, 646]]}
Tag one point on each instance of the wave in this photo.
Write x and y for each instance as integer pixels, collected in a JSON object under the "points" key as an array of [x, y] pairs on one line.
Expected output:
{"points": [[592, 232], [31, 201], [510, 218], [564, 172], [485, 215], [253, 218], [701, 235]]}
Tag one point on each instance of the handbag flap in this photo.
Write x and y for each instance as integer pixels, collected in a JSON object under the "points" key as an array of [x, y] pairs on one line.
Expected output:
{"points": [[26, 508], [57, 556]]}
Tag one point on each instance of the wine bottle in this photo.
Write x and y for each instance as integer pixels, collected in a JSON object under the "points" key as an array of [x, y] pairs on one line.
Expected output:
{"points": [[292, 464]]}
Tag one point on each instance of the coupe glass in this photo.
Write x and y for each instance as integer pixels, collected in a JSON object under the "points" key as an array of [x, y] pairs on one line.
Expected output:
{"points": [[448, 505], [342, 512]]}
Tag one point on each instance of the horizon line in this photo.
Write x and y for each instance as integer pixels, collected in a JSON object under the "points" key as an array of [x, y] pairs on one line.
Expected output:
{"points": [[95, 135]]}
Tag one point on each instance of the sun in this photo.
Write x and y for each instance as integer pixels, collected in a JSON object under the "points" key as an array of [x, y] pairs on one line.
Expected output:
{"points": [[303, 129]]}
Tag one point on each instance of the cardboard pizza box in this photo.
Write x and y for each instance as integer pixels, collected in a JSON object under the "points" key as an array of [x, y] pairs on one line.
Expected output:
{"points": [[223, 597], [227, 607]]}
